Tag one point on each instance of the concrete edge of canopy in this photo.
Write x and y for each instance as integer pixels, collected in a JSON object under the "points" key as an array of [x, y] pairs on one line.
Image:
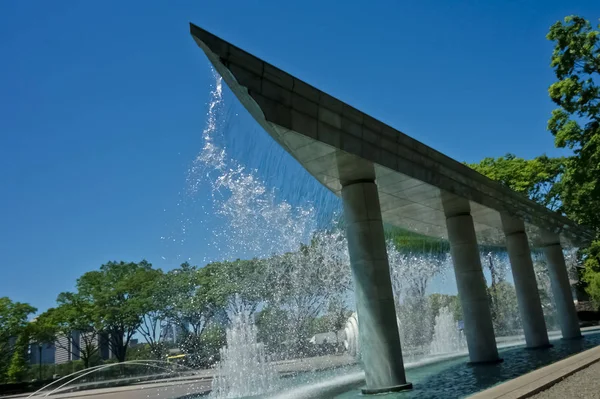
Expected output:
{"points": [[289, 108]]}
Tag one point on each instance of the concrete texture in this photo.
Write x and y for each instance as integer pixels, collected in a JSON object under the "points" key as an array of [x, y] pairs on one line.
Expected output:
{"points": [[584, 384], [540, 380], [528, 296], [470, 281], [379, 338], [318, 129], [561, 288]]}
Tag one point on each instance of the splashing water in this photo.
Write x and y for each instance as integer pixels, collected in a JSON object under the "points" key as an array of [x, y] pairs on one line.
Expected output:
{"points": [[446, 336], [308, 268], [244, 369], [259, 224]]}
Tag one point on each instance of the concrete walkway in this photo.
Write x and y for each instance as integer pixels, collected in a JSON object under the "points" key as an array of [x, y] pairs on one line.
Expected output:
{"points": [[584, 384], [542, 379]]}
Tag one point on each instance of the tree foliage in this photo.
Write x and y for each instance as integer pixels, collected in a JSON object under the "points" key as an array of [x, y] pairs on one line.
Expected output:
{"points": [[240, 285], [190, 304], [13, 322], [73, 314], [536, 178], [575, 124], [155, 299], [19, 364], [112, 300]]}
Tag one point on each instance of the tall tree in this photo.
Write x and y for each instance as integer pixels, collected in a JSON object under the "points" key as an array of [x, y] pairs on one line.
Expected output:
{"points": [[73, 314], [240, 285], [41, 333], [191, 305], [116, 299], [156, 296], [19, 364], [308, 282], [13, 321], [575, 124]]}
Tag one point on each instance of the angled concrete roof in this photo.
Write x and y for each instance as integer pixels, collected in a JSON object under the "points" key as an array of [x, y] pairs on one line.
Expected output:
{"points": [[336, 142]]}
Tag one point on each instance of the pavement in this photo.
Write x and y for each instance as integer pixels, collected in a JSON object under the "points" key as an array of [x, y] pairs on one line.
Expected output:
{"points": [[584, 384], [539, 381]]}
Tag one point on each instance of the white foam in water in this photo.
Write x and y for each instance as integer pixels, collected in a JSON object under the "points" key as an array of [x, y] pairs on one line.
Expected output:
{"points": [[244, 369]]}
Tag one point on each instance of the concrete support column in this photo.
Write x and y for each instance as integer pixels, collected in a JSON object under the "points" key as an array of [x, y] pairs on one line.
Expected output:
{"points": [[470, 281], [561, 288], [528, 296], [379, 338]]}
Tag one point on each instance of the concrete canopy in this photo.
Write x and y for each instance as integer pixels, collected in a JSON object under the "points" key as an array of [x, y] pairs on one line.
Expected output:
{"points": [[336, 142]]}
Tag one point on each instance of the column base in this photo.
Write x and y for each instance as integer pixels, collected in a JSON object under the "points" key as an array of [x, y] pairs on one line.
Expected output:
{"points": [[540, 347], [485, 362], [397, 388]]}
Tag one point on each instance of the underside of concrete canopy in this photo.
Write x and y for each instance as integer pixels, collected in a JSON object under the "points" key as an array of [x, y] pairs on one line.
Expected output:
{"points": [[336, 143]]}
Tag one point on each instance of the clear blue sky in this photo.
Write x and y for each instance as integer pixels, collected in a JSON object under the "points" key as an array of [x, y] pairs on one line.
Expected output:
{"points": [[103, 104]]}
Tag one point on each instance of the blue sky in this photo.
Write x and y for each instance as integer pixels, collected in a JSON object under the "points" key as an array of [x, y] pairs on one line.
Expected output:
{"points": [[103, 105]]}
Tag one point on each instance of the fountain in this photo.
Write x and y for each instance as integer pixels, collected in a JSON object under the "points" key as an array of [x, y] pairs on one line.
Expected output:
{"points": [[351, 342], [305, 253], [244, 368], [446, 336]]}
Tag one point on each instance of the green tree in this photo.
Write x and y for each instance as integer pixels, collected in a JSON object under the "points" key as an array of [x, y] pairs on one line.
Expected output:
{"points": [[505, 310], [333, 320], [306, 285], [140, 352], [211, 342], [13, 321], [575, 124], [591, 274], [73, 313], [438, 301], [240, 286], [536, 178], [115, 298], [191, 304], [18, 363], [156, 297], [40, 334], [272, 323]]}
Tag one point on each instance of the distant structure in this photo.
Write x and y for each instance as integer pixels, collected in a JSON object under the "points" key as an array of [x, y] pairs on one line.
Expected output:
{"points": [[172, 333], [67, 349]]}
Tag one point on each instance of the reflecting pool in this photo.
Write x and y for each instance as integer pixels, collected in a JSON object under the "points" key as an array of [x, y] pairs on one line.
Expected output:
{"points": [[457, 379]]}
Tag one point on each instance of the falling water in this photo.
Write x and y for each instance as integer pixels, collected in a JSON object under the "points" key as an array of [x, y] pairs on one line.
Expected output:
{"points": [[258, 223], [308, 262]]}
